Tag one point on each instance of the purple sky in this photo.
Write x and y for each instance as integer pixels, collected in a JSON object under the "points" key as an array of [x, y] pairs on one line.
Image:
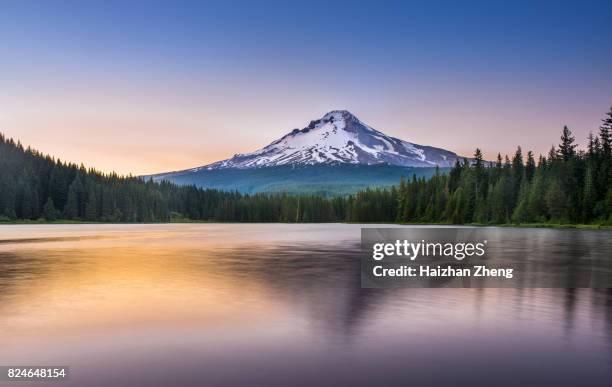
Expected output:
{"points": [[150, 87]]}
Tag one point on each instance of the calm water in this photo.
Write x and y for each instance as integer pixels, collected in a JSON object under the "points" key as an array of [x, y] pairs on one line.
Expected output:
{"points": [[280, 305]]}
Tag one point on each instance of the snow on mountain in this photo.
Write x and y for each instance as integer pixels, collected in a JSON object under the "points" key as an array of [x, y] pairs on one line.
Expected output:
{"points": [[338, 137]]}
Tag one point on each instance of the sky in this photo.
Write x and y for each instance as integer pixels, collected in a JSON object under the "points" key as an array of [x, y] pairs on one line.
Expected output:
{"points": [[143, 86]]}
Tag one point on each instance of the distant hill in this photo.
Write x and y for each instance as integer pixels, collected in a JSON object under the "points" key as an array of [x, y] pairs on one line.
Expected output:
{"points": [[326, 180]]}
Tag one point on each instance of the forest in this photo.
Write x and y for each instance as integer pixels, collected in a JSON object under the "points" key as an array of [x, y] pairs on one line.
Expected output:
{"points": [[567, 186]]}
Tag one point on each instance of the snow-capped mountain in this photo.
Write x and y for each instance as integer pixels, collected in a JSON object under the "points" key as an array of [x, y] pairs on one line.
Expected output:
{"points": [[335, 155], [338, 138]]}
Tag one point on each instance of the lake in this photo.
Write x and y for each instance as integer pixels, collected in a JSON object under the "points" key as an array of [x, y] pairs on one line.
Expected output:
{"points": [[281, 305]]}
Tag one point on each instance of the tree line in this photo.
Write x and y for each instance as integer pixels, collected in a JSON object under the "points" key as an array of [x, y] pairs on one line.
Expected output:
{"points": [[566, 186], [34, 186]]}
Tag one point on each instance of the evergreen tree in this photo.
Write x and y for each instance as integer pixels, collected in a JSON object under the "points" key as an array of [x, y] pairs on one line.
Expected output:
{"points": [[530, 166], [536, 205], [91, 209], [521, 211], [73, 204], [58, 185], [567, 148], [480, 175], [588, 199], [603, 177], [518, 172], [605, 135], [556, 202], [49, 211]]}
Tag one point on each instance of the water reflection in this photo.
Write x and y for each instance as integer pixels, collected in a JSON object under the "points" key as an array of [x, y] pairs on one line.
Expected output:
{"points": [[280, 305]]}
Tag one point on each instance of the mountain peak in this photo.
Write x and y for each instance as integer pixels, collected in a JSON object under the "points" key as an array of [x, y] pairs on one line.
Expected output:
{"points": [[339, 137], [339, 114]]}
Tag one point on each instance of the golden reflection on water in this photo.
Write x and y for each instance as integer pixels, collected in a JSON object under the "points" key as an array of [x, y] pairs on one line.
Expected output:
{"points": [[92, 287], [221, 297]]}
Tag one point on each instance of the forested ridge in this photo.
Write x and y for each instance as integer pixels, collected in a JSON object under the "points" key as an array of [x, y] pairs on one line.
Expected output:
{"points": [[35, 186], [568, 185]]}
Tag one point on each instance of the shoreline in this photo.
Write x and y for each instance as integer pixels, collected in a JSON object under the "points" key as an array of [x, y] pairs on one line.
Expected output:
{"points": [[184, 221]]}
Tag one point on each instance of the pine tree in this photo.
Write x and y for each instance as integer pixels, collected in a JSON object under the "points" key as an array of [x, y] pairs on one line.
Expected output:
{"points": [[35, 204], [588, 200], [556, 202], [536, 206], [604, 173], [530, 166], [49, 211], [518, 172], [605, 135], [498, 168], [552, 154], [497, 203], [521, 211], [58, 186], [454, 176], [481, 176], [567, 148], [91, 209], [73, 204], [26, 202], [592, 146]]}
